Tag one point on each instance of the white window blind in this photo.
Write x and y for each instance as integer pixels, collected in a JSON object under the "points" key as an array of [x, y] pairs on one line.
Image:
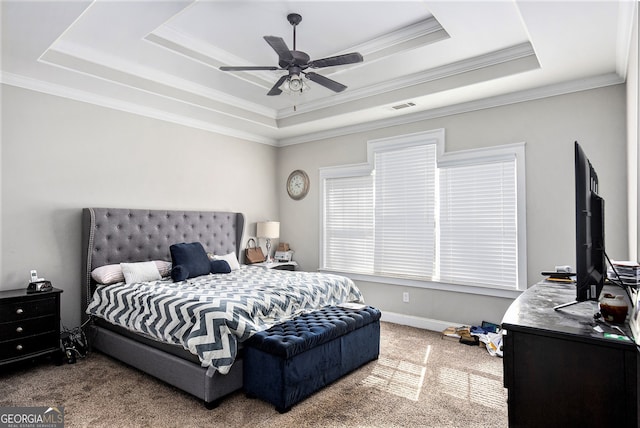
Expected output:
{"points": [[415, 215], [405, 201], [478, 224], [348, 224]]}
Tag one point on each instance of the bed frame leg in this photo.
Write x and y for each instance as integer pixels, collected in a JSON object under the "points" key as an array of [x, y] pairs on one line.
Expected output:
{"points": [[212, 404]]}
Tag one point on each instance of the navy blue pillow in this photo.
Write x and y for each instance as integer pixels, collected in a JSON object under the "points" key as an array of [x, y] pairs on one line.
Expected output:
{"points": [[220, 266], [191, 257], [179, 273]]}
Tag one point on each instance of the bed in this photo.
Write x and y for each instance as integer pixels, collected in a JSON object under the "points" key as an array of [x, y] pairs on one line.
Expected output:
{"points": [[260, 297]]}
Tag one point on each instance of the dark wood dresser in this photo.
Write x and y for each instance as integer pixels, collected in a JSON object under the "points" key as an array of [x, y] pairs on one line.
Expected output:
{"points": [[29, 325], [561, 372]]}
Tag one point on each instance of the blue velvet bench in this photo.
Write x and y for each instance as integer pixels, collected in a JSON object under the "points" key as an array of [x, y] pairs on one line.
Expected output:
{"points": [[290, 361]]}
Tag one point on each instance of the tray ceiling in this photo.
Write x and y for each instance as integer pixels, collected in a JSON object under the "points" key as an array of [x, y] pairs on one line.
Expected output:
{"points": [[421, 58]]}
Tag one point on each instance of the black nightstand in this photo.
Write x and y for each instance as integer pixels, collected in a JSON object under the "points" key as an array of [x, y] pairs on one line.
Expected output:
{"points": [[29, 325]]}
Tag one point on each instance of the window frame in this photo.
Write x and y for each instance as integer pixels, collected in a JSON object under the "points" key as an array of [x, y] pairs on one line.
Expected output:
{"points": [[443, 159]]}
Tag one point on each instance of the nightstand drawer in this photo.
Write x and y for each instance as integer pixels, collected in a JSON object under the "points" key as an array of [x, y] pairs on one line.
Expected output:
{"points": [[28, 327], [19, 310], [23, 347]]}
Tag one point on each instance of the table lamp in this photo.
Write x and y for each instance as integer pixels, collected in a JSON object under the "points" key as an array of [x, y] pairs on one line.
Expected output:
{"points": [[268, 230]]}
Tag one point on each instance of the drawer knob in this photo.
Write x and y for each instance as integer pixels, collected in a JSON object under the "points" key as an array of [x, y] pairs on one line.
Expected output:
{"points": [[19, 311], [19, 330], [19, 347]]}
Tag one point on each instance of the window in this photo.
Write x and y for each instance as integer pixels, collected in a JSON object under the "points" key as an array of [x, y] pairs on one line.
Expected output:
{"points": [[478, 224], [404, 211], [415, 215], [349, 223]]}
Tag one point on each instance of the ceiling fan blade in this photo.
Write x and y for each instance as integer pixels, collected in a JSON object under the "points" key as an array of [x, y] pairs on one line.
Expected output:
{"points": [[278, 44], [275, 90], [350, 58], [247, 68], [325, 81]]}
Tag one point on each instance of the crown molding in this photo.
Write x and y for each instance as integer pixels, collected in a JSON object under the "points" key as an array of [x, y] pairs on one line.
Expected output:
{"points": [[99, 59], [626, 14], [491, 102], [204, 53], [103, 101], [398, 37], [483, 61]]}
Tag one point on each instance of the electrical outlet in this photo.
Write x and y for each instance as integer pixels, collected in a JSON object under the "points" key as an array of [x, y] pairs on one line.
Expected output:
{"points": [[405, 297]]}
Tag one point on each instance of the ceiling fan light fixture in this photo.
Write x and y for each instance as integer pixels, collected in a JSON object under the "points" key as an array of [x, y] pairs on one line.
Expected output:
{"points": [[296, 85]]}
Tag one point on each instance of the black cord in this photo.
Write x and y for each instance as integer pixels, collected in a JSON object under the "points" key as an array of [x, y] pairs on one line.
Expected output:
{"points": [[625, 288], [619, 283], [77, 339]]}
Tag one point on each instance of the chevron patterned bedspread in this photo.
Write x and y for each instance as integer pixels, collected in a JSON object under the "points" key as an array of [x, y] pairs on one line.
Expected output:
{"points": [[209, 315]]}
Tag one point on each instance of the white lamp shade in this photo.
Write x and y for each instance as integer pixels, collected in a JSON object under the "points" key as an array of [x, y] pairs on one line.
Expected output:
{"points": [[268, 229]]}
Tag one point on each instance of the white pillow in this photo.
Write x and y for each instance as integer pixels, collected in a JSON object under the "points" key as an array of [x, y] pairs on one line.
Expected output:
{"points": [[229, 258], [140, 272]]}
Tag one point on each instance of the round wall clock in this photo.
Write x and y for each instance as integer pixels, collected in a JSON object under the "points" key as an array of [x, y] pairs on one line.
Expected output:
{"points": [[298, 184]]}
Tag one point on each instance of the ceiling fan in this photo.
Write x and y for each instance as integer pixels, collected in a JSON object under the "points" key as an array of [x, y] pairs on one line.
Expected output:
{"points": [[296, 62]]}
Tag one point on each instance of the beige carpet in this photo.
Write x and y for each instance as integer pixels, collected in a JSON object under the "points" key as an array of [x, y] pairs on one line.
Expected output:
{"points": [[420, 380]]}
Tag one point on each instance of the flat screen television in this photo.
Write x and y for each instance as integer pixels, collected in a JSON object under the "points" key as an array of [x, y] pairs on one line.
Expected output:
{"points": [[590, 250]]}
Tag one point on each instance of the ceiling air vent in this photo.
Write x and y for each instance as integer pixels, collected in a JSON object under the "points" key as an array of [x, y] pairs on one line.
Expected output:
{"points": [[403, 106]]}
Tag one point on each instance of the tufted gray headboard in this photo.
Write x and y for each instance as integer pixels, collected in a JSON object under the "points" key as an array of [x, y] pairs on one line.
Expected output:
{"points": [[117, 235]]}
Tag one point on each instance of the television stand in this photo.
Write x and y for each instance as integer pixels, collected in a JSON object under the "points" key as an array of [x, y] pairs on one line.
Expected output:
{"points": [[574, 374]]}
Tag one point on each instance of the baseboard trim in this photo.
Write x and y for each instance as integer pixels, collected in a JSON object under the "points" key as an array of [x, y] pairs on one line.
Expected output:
{"points": [[419, 322]]}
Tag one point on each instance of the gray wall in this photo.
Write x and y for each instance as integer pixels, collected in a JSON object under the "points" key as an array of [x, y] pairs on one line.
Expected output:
{"points": [[59, 156], [596, 118]]}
